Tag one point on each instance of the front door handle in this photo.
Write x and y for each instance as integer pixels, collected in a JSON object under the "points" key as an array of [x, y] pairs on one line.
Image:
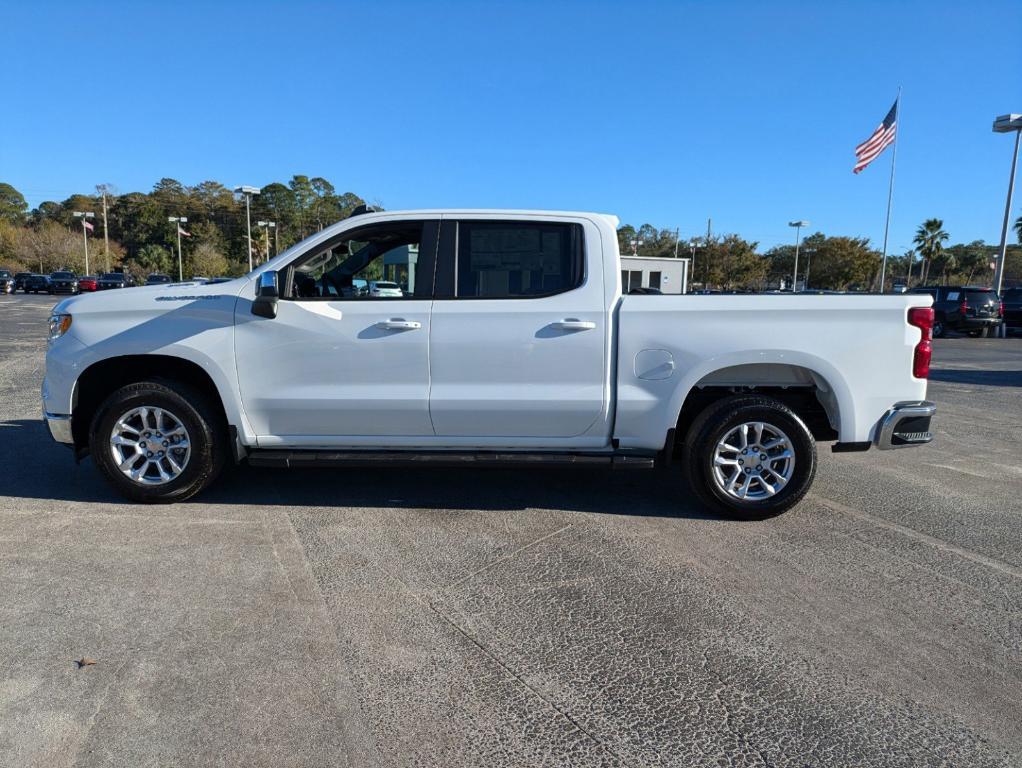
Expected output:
{"points": [[574, 324], [398, 324]]}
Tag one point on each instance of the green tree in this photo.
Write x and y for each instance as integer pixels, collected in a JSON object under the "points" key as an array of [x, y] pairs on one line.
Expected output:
{"points": [[1018, 229], [206, 260], [732, 263], [12, 204], [153, 258], [929, 241]]}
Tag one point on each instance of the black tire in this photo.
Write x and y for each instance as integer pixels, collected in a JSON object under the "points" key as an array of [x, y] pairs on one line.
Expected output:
{"points": [[939, 329], [720, 418], [205, 430]]}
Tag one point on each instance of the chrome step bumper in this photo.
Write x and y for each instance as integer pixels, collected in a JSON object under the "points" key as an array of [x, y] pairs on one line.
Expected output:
{"points": [[904, 425]]}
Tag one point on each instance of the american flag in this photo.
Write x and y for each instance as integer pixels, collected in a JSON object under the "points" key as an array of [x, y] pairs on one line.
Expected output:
{"points": [[182, 232], [882, 138], [87, 225]]}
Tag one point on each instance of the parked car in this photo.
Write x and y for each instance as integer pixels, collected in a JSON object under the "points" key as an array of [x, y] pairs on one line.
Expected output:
{"points": [[19, 280], [37, 284], [112, 280], [384, 289], [1012, 303], [512, 345], [966, 308], [63, 282], [6, 281], [87, 283], [158, 279]]}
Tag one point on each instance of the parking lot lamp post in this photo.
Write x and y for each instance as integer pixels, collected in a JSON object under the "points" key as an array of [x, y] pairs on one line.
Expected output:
{"points": [[84, 215], [692, 245], [267, 226], [1006, 124], [635, 246], [794, 274], [178, 221], [809, 263], [247, 193]]}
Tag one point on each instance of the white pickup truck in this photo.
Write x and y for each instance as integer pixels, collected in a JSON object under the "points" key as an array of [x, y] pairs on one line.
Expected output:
{"points": [[503, 338]]}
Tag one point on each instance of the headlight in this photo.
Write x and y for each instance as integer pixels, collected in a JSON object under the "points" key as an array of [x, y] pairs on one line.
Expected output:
{"points": [[59, 325]]}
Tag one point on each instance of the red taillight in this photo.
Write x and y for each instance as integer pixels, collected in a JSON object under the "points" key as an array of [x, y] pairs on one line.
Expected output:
{"points": [[922, 318], [1000, 308], [965, 307]]}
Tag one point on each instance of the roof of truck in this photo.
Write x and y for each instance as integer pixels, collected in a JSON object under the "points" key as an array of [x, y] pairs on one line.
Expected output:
{"points": [[608, 217]]}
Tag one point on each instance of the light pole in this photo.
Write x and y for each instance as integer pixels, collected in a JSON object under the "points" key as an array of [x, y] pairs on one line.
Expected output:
{"points": [[809, 263], [692, 244], [635, 246], [267, 226], [178, 221], [86, 226], [794, 275], [1006, 124], [247, 192]]}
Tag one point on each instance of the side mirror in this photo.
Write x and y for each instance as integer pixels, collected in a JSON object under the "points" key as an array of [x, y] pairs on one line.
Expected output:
{"points": [[267, 294]]}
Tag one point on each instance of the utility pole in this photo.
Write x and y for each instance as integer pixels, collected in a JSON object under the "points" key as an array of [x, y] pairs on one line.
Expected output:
{"points": [[86, 226], [267, 226], [178, 221], [677, 239], [247, 192], [106, 230], [794, 275]]}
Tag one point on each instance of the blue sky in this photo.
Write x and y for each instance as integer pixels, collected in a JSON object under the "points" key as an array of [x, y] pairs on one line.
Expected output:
{"points": [[666, 113]]}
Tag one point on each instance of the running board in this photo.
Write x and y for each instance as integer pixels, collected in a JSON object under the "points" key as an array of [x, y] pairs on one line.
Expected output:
{"points": [[313, 458]]}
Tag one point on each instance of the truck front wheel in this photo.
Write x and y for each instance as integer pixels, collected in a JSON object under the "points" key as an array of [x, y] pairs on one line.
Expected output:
{"points": [[157, 441], [749, 457]]}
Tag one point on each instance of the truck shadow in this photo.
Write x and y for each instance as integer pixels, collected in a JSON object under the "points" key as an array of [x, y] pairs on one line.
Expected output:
{"points": [[984, 378], [38, 468]]}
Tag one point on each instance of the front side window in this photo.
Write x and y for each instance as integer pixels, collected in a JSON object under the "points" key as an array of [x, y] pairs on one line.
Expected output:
{"points": [[506, 260], [374, 262]]}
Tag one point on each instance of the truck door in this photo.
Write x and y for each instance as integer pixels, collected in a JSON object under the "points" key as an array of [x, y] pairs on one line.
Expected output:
{"points": [[519, 336], [341, 363]]}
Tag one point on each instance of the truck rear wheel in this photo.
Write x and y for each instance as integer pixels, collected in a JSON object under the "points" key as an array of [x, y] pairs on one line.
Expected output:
{"points": [[749, 457], [157, 441]]}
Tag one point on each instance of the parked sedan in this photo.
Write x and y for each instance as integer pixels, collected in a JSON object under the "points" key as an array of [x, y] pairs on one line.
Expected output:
{"points": [[114, 280], [6, 281], [1013, 309], [87, 283], [158, 279], [37, 284], [64, 282], [384, 289]]}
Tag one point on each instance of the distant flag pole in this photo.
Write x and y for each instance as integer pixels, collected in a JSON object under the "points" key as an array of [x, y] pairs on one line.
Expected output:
{"points": [[885, 134]]}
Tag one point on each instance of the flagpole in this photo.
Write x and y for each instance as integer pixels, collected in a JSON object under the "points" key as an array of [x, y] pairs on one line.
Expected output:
{"points": [[890, 189]]}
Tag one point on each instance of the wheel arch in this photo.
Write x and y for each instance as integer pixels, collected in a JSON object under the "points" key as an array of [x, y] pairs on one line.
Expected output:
{"points": [[102, 377], [808, 385]]}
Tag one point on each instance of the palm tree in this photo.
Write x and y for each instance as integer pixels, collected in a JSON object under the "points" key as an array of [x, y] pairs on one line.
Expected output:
{"points": [[930, 238]]}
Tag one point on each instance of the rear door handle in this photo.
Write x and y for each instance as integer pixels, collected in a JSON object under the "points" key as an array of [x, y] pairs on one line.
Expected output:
{"points": [[398, 324], [574, 324]]}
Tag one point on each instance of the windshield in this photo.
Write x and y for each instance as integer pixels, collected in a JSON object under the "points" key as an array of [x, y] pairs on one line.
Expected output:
{"points": [[4, 273], [63, 275], [379, 284], [980, 297]]}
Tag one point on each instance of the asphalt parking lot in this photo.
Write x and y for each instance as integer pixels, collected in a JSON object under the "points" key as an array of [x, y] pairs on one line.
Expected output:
{"points": [[511, 618]]}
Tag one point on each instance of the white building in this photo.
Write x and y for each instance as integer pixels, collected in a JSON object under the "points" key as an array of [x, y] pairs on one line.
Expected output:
{"points": [[666, 275]]}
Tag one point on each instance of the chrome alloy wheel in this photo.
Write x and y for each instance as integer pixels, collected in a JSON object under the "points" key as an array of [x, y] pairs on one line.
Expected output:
{"points": [[753, 461], [150, 445]]}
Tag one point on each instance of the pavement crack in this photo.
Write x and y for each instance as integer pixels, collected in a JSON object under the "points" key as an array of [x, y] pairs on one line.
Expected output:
{"points": [[997, 565], [505, 557]]}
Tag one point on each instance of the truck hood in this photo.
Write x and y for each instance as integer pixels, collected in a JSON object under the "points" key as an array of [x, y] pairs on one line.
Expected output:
{"points": [[148, 300]]}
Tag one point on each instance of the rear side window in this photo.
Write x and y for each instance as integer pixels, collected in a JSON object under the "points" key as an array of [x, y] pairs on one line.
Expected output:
{"points": [[980, 297], [509, 260]]}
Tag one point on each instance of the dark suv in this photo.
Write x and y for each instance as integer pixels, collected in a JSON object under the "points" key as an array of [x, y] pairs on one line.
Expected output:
{"points": [[6, 281], [967, 308], [19, 280], [63, 282], [37, 284], [1012, 298]]}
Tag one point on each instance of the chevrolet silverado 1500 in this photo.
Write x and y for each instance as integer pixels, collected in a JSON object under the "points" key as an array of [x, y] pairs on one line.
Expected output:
{"points": [[506, 341]]}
